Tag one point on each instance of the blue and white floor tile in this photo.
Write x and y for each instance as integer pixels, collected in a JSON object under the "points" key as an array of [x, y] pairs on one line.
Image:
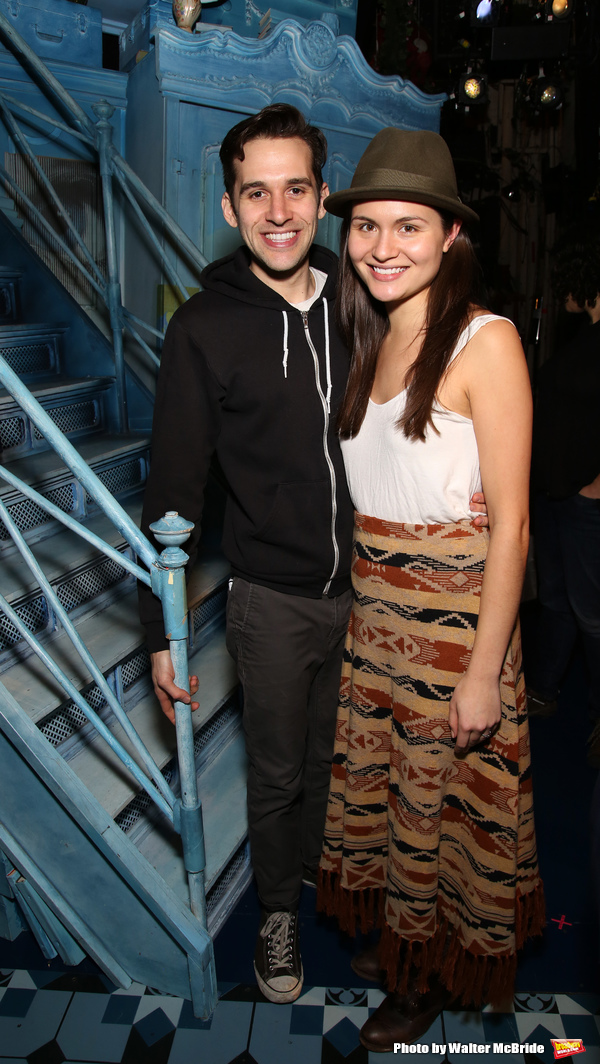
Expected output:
{"points": [[53, 1018]]}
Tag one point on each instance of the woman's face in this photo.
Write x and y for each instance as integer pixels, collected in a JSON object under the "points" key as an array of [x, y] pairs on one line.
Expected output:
{"points": [[397, 247]]}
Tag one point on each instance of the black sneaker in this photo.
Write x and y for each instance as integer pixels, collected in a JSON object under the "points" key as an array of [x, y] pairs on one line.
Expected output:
{"points": [[277, 963]]}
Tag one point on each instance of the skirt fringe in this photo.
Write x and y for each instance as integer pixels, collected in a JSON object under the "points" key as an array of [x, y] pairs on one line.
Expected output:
{"points": [[472, 979]]}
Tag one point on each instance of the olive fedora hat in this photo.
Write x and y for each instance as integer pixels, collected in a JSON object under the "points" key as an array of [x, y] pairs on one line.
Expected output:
{"points": [[403, 165]]}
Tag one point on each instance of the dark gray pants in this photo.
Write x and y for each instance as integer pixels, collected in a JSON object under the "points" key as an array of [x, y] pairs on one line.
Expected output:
{"points": [[288, 652]]}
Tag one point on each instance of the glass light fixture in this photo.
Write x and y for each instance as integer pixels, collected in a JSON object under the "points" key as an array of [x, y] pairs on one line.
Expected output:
{"points": [[559, 9], [472, 88]]}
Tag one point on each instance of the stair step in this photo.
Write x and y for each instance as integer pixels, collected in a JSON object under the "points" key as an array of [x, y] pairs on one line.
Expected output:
{"points": [[47, 466], [100, 769], [62, 553], [75, 406], [53, 386], [225, 823], [32, 348], [81, 576], [119, 462], [112, 635]]}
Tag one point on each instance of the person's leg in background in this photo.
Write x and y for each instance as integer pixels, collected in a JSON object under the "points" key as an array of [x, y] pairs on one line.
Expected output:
{"points": [[580, 539], [556, 628]]}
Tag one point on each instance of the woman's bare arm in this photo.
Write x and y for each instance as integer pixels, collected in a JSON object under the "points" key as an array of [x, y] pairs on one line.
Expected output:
{"points": [[494, 375]]}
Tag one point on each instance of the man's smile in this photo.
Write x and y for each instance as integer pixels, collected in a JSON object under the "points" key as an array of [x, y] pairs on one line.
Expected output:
{"points": [[281, 238]]}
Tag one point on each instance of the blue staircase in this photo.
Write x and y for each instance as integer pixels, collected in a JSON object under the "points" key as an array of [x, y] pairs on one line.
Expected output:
{"points": [[89, 862]]}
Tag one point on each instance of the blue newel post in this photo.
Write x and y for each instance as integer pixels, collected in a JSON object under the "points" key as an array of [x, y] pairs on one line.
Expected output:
{"points": [[168, 582]]}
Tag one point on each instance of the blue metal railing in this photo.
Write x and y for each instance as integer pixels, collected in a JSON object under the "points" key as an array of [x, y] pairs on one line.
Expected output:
{"points": [[163, 572], [97, 136]]}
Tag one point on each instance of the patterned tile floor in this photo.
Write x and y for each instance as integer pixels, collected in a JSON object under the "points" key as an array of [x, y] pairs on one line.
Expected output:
{"points": [[50, 1018]]}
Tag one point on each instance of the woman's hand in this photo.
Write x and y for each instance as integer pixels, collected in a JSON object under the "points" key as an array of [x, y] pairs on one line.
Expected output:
{"points": [[475, 711]]}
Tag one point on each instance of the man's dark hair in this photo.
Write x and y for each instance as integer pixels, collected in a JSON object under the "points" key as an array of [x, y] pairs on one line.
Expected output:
{"points": [[278, 120], [576, 265]]}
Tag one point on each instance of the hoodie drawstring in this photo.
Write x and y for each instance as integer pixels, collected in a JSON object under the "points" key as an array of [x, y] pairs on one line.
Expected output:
{"points": [[286, 329], [285, 342], [327, 358]]}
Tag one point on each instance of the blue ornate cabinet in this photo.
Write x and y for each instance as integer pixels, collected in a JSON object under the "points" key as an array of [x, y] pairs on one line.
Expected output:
{"points": [[191, 88]]}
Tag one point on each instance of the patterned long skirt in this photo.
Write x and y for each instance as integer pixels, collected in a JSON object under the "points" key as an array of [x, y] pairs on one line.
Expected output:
{"points": [[438, 850]]}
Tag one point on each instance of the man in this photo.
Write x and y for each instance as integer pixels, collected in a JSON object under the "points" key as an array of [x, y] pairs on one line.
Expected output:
{"points": [[253, 368], [566, 482]]}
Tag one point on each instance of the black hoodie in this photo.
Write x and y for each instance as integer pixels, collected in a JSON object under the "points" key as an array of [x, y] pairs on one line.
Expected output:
{"points": [[245, 374]]}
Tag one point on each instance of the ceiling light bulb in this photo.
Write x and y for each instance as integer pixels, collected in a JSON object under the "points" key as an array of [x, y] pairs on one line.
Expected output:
{"points": [[560, 8], [472, 88]]}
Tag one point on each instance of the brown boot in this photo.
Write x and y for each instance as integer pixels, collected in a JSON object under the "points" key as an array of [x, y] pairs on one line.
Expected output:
{"points": [[403, 1018], [366, 964]]}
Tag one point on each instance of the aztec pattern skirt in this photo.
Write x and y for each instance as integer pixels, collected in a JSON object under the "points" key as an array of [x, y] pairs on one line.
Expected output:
{"points": [[438, 850]]}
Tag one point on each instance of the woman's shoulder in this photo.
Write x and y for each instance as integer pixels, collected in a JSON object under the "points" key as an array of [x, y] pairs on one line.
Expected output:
{"points": [[479, 316], [489, 332], [494, 356], [491, 356], [498, 333]]}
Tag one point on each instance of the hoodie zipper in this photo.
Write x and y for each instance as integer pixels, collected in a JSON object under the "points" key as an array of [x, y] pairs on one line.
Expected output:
{"points": [[336, 552]]}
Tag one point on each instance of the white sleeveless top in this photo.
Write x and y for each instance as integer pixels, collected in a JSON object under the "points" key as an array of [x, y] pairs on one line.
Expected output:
{"points": [[414, 481]]}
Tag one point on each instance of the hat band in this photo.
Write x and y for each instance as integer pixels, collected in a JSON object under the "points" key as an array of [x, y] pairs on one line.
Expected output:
{"points": [[388, 179]]}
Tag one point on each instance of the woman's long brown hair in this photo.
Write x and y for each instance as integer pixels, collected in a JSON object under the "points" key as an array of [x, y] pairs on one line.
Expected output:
{"points": [[364, 323]]}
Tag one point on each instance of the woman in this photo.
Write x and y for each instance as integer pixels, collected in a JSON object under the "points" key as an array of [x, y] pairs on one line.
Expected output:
{"points": [[430, 823]]}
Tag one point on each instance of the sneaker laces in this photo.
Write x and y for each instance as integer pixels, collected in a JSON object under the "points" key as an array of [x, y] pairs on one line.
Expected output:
{"points": [[278, 930]]}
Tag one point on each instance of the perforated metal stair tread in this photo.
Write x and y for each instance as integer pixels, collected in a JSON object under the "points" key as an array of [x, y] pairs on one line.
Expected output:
{"points": [[225, 823], [110, 636], [61, 553], [101, 771], [49, 386], [44, 466]]}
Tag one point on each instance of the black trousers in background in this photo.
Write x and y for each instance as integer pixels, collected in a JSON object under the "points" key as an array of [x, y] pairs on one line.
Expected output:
{"points": [[567, 548], [288, 652]]}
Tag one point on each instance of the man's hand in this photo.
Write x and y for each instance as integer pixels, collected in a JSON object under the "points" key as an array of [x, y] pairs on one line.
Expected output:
{"points": [[478, 504], [163, 676]]}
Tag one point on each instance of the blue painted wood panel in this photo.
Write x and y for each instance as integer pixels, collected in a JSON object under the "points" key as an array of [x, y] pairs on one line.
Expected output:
{"points": [[247, 18], [58, 29], [190, 89]]}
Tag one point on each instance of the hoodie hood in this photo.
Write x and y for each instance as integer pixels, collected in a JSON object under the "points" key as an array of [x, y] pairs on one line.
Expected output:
{"points": [[231, 276]]}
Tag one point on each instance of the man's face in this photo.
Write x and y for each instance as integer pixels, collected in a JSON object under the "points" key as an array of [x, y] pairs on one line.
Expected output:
{"points": [[275, 205]]}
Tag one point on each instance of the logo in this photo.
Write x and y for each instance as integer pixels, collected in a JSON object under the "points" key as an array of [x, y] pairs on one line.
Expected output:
{"points": [[567, 1047]]}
